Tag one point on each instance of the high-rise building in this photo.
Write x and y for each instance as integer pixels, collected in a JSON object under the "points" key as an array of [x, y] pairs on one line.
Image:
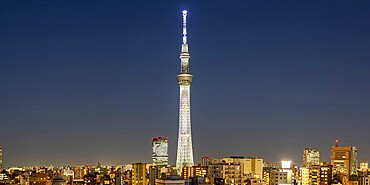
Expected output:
{"points": [[310, 157], [344, 159], [139, 174], [184, 79], [160, 151]]}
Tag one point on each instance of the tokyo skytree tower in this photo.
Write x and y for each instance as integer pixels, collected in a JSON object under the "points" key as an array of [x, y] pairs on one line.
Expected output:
{"points": [[184, 79]]}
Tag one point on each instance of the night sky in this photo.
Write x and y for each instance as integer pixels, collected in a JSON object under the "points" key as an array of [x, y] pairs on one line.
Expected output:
{"points": [[88, 81]]}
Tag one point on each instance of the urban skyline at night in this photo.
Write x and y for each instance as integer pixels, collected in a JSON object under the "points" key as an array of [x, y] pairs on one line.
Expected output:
{"points": [[88, 82]]}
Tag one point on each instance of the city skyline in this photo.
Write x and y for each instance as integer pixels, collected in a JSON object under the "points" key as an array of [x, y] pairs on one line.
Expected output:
{"points": [[77, 79]]}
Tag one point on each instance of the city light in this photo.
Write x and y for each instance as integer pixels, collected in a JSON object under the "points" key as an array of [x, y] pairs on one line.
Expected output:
{"points": [[286, 164]]}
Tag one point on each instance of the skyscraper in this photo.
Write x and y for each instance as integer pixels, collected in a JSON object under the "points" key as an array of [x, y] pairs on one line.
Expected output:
{"points": [[184, 79], [160, 151], [310, 157], [344, 159]]}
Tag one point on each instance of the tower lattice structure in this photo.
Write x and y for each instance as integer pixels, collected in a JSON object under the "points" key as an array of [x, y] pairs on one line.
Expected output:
{"points": [[184, 79]]}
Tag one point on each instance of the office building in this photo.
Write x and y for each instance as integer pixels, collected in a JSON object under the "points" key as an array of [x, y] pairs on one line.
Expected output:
{"points": [[310, 157], [344, 159], [160, 151]]}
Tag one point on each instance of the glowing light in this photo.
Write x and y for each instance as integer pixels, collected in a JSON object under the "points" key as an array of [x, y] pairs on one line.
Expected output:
{"points": [[185, 149], [184, 33], [286, 164]]}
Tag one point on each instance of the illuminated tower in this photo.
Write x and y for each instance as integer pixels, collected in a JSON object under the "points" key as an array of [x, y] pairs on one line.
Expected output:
{"points": [[184, 79]]}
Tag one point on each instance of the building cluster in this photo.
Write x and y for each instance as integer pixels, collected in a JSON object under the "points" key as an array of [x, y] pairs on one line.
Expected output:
{"points": [[343, 168], [52, 175], [229, 170]]}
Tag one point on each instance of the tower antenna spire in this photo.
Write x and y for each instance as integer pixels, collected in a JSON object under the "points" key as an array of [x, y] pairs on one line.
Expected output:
{"points": [[184, 33]]}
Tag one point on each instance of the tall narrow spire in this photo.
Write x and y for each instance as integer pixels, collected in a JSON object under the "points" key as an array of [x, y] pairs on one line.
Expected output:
{"points": [[184, 33], [184, 79]]}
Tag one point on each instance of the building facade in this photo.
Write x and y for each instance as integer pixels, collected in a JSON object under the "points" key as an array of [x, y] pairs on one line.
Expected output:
{"points": [[315, 175], [344, 160], [160, 151], [364, 165], [139, 175], [225, 173], [194, 171], [305, 176], [310, 157], [206, 161], [326, 173], [251, 166], [278, 177], [39, 179]]}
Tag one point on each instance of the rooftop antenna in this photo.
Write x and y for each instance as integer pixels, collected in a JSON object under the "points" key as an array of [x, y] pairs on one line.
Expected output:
{"points": [[184, 38]]}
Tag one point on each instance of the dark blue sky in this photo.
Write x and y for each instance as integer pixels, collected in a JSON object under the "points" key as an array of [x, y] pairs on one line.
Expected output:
{"points": [[88, 81]]}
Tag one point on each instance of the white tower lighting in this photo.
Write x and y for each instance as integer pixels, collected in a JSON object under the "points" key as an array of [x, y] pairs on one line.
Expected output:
{"points": [[184, 79]]}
